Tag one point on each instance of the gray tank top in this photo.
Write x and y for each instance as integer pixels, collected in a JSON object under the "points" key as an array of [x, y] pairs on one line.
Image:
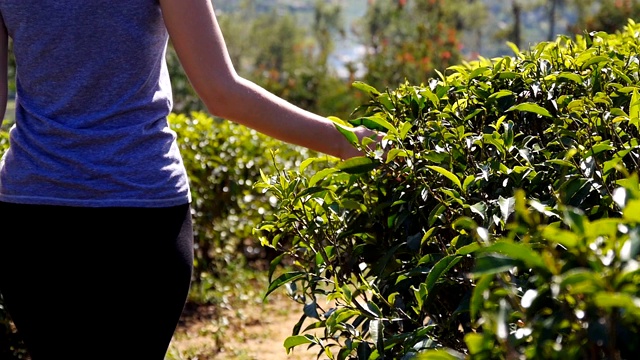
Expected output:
{"points": [[92, 99]]}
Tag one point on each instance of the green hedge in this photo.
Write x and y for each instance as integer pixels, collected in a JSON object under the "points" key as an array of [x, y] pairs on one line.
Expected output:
{"points": [[224, 160], [499, 222]]}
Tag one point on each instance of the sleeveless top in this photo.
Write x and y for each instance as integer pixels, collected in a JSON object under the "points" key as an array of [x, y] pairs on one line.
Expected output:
{"points": [[92, 99]]}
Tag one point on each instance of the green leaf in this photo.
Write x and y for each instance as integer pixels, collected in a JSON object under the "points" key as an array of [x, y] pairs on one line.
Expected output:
{"points": [[447, 354], [575, 219], [598, 148], [492, 264], [468, 181], [371, 308], [475, 113], [507, 206], [631, 247], [435, 213], [532, 108], [572, 77], [348, 134], [601, 227], [464, 222], [293, 341], [353, 205], [594, 60], [517, 251], [342, 314], [476, 343], [264, 177], [632, 211], [502, 93], [483, 70], [477, 297], [306, 163], [468, 249], [480, 209], [346, 293], [622, 75], [427, 235], [448, 174], [366, 88], [439, 269], [432, 97], [394, 153], [634, 108], [508, 75], [560, 162], [563, 237], [581, 281], [373, 123], [615, 160], [508, 134], [275, 263], [284, 279], [404, 130], [310, 191], [618, 300], [357, 165], [514, 48], [385, 100], [321, 175]]}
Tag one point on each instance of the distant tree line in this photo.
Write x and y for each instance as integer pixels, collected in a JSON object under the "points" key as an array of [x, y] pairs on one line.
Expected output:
{"points": [[403, 40]]}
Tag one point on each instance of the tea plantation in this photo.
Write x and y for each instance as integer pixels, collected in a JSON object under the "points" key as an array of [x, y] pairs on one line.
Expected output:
{"points": [[500, 218]]}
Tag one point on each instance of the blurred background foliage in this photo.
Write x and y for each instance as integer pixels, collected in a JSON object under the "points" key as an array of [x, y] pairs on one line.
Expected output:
{"points": [[310, 51]]}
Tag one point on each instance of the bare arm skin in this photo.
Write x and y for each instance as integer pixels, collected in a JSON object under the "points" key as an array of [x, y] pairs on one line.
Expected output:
{"points": [[200, 46], [4, 54]]}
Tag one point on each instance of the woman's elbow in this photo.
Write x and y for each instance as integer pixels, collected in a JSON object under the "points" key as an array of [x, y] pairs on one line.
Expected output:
{"points": [[220, 97]]}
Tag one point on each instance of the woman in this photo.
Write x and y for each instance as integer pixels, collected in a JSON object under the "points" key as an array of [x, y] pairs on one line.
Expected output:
{"points": [[96, 244]]}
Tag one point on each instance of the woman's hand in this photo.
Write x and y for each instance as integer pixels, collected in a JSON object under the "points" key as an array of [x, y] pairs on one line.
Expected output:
{"points": [[363, 133]]}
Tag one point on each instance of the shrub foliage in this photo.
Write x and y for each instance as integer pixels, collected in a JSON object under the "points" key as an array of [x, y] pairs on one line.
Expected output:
{"points": [[500, 220], [224, 160]]}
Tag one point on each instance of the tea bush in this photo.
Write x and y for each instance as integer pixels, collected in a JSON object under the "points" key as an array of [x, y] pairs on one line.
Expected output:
{"points": [[490, 223], [559, 285], [223, 160]]}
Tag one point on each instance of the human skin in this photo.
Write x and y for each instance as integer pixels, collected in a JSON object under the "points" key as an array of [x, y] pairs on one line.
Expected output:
{"points": [[200, 46]]}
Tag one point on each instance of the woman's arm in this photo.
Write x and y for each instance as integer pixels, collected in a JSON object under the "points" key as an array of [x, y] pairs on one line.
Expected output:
{"points": [[4, 54], [202, 51]]}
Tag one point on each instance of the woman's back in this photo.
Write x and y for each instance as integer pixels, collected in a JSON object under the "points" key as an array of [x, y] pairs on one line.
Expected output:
{"points": [[93, 93]]}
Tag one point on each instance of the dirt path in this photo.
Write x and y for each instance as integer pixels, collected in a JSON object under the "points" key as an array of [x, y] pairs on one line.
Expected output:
{"points": [[255, 332]]}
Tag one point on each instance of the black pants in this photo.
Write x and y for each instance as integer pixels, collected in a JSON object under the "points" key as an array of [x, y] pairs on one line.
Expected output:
{"points": [[95, 283]]}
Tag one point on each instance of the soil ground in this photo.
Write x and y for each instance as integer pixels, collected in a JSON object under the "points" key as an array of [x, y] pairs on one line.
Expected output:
{"points": [[256, 331]]}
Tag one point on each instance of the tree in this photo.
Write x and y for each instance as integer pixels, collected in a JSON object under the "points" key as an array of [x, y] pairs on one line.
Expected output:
{"points": [[409, 40], [472, 19], [613, 15], [290, 59], [514, 31], [553, 7]]}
